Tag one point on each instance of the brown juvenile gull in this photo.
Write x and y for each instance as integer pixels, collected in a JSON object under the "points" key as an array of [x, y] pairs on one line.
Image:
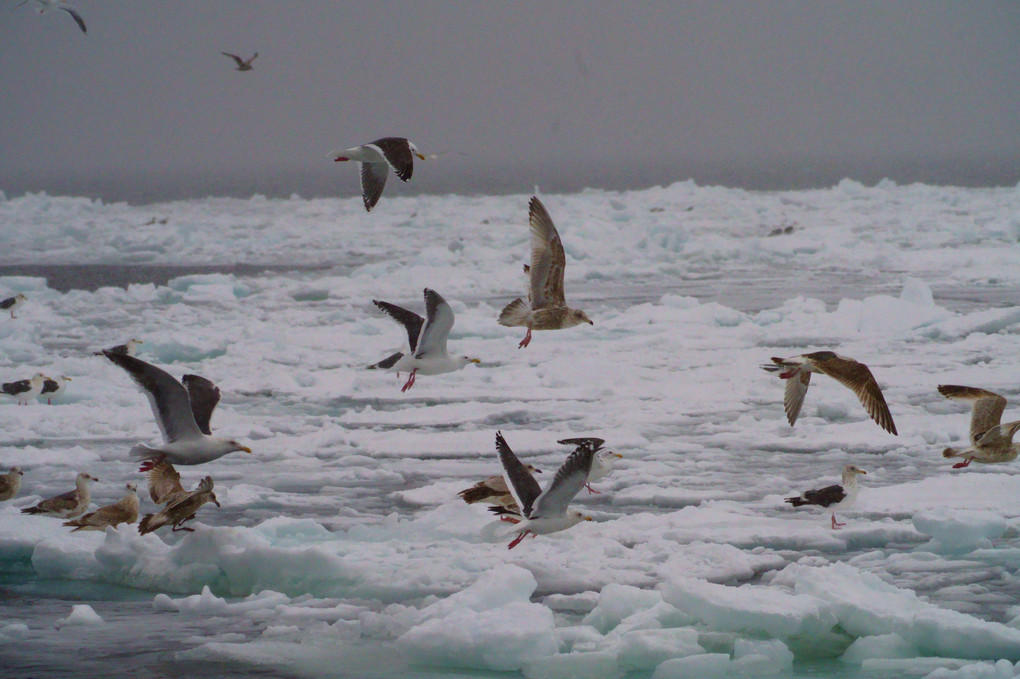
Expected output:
{"points": [[546, 308], [990, 441], [493, 491], [180, 510], [848, 372], [426, 352], [546, 511], [124, 510], [69, 505], [242, 64], [44, 6], [375, 159], [12, 303], [184, 441], [25, 390], [10, 483], [836, 497], [164, 483], [54, 388], [129, 348]]}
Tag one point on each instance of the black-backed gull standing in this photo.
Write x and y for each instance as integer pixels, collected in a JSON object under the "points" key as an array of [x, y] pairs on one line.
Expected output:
{"points": [[375, 160], [834, 498], [12, 303], [184, 442], [848, 372], [25, 390], [990, 441], [426, 352], [546, 308], [54, 388]]}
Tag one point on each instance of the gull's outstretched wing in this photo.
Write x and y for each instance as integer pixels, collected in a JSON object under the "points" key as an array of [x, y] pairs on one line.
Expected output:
{"points": [[569, 479], [373, 181], [171, 406], [987, 408], [547, 259], [204, 395], [438, 322], [164, 483], [397, 152], [519, 481], [411, 321], [858, 378]]}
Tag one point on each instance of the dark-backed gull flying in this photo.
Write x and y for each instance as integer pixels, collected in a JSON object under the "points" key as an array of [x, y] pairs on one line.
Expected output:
{"points": [[69, 505], [242, 64], [834, 498], [12, 303], [426, 352], [181, 509], [546, 308], [54, 388], [10, 483], [848, 372], [44, 6], [546, 511], [25, 390], [124, 510], [990, 441], [184, 442], [375, 159]]}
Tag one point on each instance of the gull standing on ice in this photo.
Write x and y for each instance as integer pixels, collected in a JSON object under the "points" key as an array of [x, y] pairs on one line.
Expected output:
{"points": [[546, 511], [180, 510], [426, 340], [990, 441], [242, 64], [45, 6], [546, 308], [12, 303], [834, 498], [493, 491], [375, 159], [54, 388], [124, 510], [25, 390], [848, 372], [184, 442], [69, 505], [129, 348], [10, 483]]}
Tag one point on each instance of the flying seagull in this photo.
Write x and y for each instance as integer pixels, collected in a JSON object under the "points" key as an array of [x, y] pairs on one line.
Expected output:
{"points": [[180, 510], [546, 511], [123, 511], [25, 390], [426, 338], [12, 303], [184, 441], [69, 505], [836, 497], [375, 159], [54, 388], [546, 308], [10, 483], [990, 441], [242, 64], [848, 372], [44, 6]]}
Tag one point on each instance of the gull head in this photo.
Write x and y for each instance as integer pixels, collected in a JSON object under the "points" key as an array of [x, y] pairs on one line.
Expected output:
{"points": [[15, 471], [533, 469], [131, 488], [850, 473], [574, 516], [235, 445], [212, 499], [577, 317], [464, 360], [82, 476]]}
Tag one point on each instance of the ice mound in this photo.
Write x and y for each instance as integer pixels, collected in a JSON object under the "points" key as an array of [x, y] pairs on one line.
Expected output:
{"points": [[208, 603], [594, 665], [82, 615], [645, 649], [491, 624], [617, 602], [955, 531], [15, 631], [706, 665], [880, 646]]}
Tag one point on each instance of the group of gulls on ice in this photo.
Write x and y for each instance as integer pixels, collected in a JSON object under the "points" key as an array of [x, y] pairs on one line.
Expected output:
{"points": [[183, 408]]}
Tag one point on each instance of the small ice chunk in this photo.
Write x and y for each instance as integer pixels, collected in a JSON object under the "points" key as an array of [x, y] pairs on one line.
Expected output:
{"points": [[707, 665], [879, 646], [956, 531], [617, 602], [645, 649], [15, 631], [81, 615]]}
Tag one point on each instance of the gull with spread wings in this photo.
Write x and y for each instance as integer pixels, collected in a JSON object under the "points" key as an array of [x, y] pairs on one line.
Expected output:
{"points": [[848, 372], [546, 308], [242, 64], [990, 441], [375, 160]]}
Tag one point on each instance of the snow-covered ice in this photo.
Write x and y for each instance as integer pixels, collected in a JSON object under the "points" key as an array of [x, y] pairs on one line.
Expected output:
{"points": [[341, 548]]}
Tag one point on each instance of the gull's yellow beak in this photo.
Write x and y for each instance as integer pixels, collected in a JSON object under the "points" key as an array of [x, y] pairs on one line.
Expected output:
{"points": [[246, 449], [588, 518], [420, 156], [474, 360], [617, 455], [68, 379]]}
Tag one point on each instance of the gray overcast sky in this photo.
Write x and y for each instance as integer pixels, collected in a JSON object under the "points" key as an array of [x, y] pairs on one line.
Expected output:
{"points": [[550, 93]]}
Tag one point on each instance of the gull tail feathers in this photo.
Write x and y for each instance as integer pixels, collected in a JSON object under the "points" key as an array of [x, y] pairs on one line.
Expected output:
{"points": [[953, 452], [143, 452], [797, 501], [475, 494], [151, 522], [514, 313]]}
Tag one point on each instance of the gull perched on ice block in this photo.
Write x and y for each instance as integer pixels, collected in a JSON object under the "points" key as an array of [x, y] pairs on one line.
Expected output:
{"points": [[990, 441], [848, 372], [184, 441], [181, 509], [54, 388], [375, 160], [124, 510], [834, 498], [12, 303], [69, 505], [546, 308], [25, 390], [10, 483], [546, 511], [426, 340]]}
